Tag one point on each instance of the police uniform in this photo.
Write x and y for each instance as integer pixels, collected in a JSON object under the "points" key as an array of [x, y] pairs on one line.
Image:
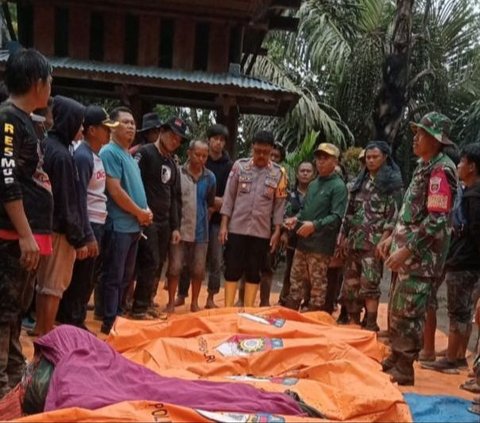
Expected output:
{"points": [[254, 198]]}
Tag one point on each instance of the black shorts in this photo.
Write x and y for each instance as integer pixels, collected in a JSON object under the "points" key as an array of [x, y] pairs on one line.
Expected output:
{"points": [[245, 255]]}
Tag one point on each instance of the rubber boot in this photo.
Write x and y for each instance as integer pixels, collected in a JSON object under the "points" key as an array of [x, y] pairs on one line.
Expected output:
{"points": [[403, 372], [250, 294], [230, 291], [371, 322]]}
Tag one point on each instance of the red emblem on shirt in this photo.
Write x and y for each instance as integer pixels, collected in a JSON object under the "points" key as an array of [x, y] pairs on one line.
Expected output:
{"points": [[439, 192]]}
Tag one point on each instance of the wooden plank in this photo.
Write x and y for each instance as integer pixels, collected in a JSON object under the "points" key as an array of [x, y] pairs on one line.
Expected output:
{"points": [[218, 48], [183, 44], [79, 32], [148, 41], [114, 38], [44, 28]]}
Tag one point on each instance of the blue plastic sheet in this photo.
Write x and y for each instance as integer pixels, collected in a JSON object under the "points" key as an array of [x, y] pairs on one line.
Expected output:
{"points": [[440, 408]]}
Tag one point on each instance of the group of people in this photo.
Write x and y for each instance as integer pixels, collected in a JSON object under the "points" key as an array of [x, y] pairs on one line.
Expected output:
{"points": [[91, 204]]}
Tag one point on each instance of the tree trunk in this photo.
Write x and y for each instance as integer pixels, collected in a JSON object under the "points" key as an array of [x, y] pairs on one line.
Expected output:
{"points": [[392, 97]]}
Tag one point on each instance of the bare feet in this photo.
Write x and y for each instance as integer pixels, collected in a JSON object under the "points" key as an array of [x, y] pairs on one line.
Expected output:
{"points": [[194, 307], [210, 304], [169, 308], [179, 301]]}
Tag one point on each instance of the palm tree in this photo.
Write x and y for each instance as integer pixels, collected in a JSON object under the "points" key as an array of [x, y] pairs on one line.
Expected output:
{"points": [[340, 61]]}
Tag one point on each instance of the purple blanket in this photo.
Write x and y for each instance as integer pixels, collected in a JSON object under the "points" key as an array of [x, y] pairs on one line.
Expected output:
{"points": [[90, 374]]}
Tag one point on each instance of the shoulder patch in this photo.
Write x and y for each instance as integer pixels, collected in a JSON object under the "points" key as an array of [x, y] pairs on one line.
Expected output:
{"points": [[439, 193]]}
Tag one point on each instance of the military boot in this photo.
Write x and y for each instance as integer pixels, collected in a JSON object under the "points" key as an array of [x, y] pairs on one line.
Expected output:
{"points": [[403, 372], [390, 361], [292, 304], [371, 322]]}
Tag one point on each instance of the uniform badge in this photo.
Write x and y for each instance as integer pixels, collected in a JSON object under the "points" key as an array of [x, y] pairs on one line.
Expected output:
{"points": [[435, 183], [439, 198]]}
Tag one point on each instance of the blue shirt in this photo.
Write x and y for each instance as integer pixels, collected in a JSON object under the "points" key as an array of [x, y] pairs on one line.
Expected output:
{"points": [[197, 196], [119, 164]]}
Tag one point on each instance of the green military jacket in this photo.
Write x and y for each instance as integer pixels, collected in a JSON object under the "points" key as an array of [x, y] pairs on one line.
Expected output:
{"points": [[324, 205], [369, 214], [424, 221]]}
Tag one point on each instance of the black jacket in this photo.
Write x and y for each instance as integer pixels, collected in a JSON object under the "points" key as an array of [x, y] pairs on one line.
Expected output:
{"points": [[464, 252], [61, 169], [20, 171], [221, 169]]}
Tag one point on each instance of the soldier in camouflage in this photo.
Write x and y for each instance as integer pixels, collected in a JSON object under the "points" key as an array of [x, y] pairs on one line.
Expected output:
{"points": [[419, 244], [375, 198]]}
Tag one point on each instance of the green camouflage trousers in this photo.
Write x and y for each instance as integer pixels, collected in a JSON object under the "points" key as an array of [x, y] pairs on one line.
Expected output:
{"points": [[311, 269], [362, 277], [407, 315]]}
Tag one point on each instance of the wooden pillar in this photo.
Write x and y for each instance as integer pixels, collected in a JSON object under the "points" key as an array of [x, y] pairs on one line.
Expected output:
{"points": [[218, 48], [148, 41], [184, 44], [228, 115], [44, 28], [114, 38], [79, 32]]}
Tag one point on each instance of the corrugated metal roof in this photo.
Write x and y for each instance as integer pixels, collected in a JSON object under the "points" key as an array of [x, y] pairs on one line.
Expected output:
{"points": [[214, 79]]}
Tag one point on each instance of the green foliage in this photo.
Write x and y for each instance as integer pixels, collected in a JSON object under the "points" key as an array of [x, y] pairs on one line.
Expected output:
{"points": [[467, 125], [304, 152], [351, 161]]}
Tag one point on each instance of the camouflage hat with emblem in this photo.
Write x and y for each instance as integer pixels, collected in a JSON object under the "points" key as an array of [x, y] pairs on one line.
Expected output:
{"points": [[435, 124]]}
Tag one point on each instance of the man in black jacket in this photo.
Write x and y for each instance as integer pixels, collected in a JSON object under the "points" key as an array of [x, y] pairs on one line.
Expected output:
{"points": [[162, 186], [463, 262], [55, 271], [25, 201]]}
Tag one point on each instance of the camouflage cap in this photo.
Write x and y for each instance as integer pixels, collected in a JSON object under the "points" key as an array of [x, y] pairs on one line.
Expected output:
{"points": [[328, 148], [437, 125]]}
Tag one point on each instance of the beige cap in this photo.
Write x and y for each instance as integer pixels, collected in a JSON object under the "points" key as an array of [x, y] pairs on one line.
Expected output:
{"points": [[330, 149]]}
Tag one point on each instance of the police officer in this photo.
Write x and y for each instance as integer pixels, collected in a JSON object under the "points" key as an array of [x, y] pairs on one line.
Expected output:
{"points": [[419, 243], [254, 199]]}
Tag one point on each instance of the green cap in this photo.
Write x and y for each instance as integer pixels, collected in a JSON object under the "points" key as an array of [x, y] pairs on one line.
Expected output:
{"points": [[437, 125]]}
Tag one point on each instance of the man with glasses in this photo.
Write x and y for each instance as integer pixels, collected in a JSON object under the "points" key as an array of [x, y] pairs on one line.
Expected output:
{"points": [[254, 199]]}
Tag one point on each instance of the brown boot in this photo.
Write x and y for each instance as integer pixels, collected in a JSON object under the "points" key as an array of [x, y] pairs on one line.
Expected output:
{"points": [[292, 304], [403, 372], [371, 322], [389, 362]]}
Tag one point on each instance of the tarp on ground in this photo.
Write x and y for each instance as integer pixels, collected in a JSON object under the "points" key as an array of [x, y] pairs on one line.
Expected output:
{"points": [[334, 369]]}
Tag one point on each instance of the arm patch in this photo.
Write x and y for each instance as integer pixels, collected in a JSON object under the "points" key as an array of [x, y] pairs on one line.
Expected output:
{"points": [[439, 193]]}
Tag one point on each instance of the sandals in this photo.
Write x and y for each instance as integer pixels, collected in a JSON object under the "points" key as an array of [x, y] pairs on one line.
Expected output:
{"points": [[471, 386], [474, 408]]}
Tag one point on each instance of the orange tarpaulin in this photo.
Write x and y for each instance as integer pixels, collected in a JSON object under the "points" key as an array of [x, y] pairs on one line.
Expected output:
{"points": [[334, 369]]}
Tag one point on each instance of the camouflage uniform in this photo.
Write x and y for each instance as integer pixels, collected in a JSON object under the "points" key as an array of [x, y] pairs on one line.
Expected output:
{"points": [[324, 206], [424, 228], [369, 214]]}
